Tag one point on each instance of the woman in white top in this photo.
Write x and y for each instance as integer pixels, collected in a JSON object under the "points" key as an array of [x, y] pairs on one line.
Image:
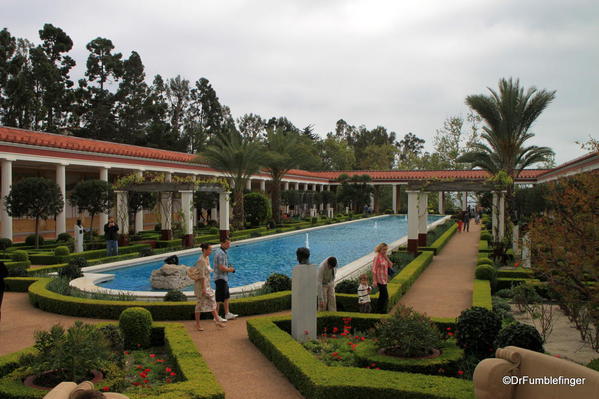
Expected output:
{"points": [[78, 236], [203, 292]]}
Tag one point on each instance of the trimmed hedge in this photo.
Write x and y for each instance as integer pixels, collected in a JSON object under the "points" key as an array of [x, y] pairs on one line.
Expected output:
{"points": [[481, 294], [18, 284], [45, 270], [199, 382], [48, 258], [510, 282], [516, 273], [49, 301], [440, 242], [316, 380]]}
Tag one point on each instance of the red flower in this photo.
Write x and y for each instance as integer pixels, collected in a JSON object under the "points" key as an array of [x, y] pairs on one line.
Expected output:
{"points": [[448, 328], [168, 380], [168, 370], [373, 365], [363, 338], [126, 352], [335, 329], [335, 354], [558, 356], [343, 334], [306, 332], [147, 370], [146, 381], [135, 383], [173, 374], [138, 366], [450, 334], [378, 368], [460, 372], [106, 389], [143, 375], [152, 355]]}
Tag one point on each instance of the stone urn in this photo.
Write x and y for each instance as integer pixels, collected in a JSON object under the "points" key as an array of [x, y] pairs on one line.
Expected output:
{"points": [[170, 277]]}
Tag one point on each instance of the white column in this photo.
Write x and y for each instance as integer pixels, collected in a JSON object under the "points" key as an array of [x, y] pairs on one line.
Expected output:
{"points": [[394, 199], [5, 219], [186, 207], [305, 187], [494, 213], [501, 215], [214, 214], [464, 200], [372, 201], [103, 216], [61, 220], [122, 211], [422, 218], [223, 214], [441, 203], [412, 220], [286, 186], [248, 184], [139, 215], [296, 186], [263, 186]]}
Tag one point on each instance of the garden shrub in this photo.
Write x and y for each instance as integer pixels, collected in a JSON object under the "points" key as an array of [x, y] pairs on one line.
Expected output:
{"points": [[146, 252], [114, 336], [61, 251], [505, 293], [349, 286], [17, 269], [73, 269], [20, 256], [30, 240], [476, 330], [136, 325], [278, 282], [158, 227], [486, 236], [594, 364], [525, 294], [502, 308], [5, 243], [485, 272], [314, 220], [521, 335], [64, 237], [175, 296], [485, 261], [257, 208], [407, 334]]}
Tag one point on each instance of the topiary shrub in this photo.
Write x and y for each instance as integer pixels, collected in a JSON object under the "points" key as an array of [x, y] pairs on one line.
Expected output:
{"points": [[505, 293], [19, 256], [30, 240], [502, 308], [61, 251], [476, 330], [278, 282], [407, 334], [520, 335], [485, 272], [175, 296], [136, 325], [347, 286], [485, 261], [257, 208], [486, 236], [64, 237], [5, 243], [73, 269], [146, 252]]}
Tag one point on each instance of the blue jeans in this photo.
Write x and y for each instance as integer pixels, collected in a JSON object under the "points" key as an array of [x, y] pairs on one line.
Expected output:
{"points": [[112, 248]]}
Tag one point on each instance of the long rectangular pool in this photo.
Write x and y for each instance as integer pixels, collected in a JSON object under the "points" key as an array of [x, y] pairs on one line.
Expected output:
{"points": [[255, 261]]}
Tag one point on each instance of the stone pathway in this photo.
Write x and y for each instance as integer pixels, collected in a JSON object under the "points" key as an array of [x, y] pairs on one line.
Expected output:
{"points": [[444, 289], [238, 365]]}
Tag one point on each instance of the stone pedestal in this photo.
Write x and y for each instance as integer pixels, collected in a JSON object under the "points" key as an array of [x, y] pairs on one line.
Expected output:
{"points": [[303, 302], [170, 277]]}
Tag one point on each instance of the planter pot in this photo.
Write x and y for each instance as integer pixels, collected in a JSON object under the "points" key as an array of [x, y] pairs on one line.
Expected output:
{"points": [[389, 352], [30, 380]]}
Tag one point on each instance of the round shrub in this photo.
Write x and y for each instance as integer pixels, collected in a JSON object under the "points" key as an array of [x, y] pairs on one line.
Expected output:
{"points": [[73, 269], [61, 251], [30, 240], [347, 287], [485, 261], [486, 236], [5, 243], [257, 208], [505, 293], [485, 272], [407, 334], [502, 308], [20, 256], [175, 296], [520, 335], [476, 330], [64, 237], [278, 282], [136, 325], [114, 336]]}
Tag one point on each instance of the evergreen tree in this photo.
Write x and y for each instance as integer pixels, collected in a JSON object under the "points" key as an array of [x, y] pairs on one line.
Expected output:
{"points": [[131, 96]]}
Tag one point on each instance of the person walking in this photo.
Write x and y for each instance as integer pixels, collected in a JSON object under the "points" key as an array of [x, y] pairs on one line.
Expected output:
{"points": [[364, 294], [466, 221], [3, 275], [79, 236], [380, 275], [111, 235], [326, 285], [206, 301], [221, 278]]}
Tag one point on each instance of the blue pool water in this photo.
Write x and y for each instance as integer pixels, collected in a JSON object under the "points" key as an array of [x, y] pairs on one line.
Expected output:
{"points": [[258, 260]]}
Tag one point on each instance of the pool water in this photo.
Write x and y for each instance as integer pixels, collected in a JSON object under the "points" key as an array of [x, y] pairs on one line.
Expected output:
{"points": [[257, 260]]}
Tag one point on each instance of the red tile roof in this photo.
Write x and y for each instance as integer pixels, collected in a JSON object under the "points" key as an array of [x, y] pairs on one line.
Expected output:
{"points": [[71, 143]]}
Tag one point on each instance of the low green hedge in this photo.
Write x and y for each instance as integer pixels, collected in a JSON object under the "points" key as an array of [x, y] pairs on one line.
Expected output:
{"points": [[199, 382], [316, 380], [17, 269], [516, 273], [50, 259], [483, 246], [18, 284], [510, 282], [481, 294], [440, 242], [445, 364], [49, 301], [45, 270], [169, 243]]}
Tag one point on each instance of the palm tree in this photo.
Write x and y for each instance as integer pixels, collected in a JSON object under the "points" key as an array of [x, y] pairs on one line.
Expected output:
{"points": [[283, 152], [508, 116], [238, 159]]}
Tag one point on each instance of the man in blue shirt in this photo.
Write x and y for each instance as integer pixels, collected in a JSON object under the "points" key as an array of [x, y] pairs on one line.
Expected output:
{"points": [[221, 277]]}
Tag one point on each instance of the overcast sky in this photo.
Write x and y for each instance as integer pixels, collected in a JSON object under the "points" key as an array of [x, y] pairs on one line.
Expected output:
{"points": [[403, 65]]}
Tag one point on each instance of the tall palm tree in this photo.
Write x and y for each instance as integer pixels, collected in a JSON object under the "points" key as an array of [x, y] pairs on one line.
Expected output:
{"points": [[283, 152], [238, 159], [508, 116]]}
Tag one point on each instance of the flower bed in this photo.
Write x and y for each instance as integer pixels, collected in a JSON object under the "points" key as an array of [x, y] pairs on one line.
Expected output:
{"points": [[196, 379]]}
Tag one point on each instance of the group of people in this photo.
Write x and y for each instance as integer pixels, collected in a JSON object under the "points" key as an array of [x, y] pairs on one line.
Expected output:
{"points": [[110, 234], [464, 218]]}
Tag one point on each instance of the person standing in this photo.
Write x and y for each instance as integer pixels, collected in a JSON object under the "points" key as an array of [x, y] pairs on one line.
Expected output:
{"points": [[206, 301], [466, 221], [3, 275], [380, 275], [221, 277], [111, 235], [364, 294], [79, 236], [326, 285]]}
